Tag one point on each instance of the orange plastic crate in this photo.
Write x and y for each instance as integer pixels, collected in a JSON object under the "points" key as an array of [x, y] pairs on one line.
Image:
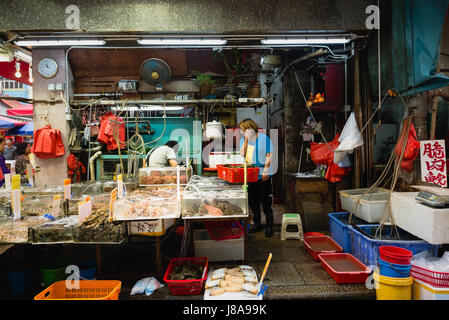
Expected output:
{"points": [[89, 290]]}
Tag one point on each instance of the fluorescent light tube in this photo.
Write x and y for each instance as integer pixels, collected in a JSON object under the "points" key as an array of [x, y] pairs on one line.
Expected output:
{"points": [[49, 43], [281, 41], [182, 41], [149, 108], [22, 56]]}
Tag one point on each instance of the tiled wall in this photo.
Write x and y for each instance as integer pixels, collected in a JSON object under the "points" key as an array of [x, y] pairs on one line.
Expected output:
{"points": [[50, 171]]}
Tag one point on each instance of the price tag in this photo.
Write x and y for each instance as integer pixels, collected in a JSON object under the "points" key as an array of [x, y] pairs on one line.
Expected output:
{"points": [[84, 209], [15, 196], [67, 189], [111, 203], [148, 228], [30, 174], [120, 194], [8, 181], [56, 209]]}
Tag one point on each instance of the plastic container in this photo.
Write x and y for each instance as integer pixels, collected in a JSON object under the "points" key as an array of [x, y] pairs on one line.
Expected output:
{"points": [[324, 244], [313, 234], [344, 267], [393, 288], [370, 207], [393, 270], [186, 287], [366, 248], [88, 270], [340, 232], [150, 176], [224, 250], [425, 291], [234, 174], [88, 290], [224, 230], [396, 255], [214, 204], [54, 271], [433, 278], [19, 281]]}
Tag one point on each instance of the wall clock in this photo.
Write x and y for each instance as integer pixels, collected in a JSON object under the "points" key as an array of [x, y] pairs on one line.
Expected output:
{"points": [[47, 68]]}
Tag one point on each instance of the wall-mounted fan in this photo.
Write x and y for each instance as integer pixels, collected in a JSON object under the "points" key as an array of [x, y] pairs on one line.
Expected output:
{"points": [[155, 72]]}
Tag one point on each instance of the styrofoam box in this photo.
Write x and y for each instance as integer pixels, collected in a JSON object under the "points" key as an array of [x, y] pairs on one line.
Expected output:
{"points": [[425, 291], [223, 250], [423, 221], [371, 206]]}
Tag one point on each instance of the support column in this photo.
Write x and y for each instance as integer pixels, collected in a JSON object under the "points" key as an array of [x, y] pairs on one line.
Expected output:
{"points": [[50, 171]]}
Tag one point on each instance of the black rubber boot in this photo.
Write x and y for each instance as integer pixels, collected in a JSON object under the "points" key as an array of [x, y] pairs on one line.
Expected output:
{"points": [[256, 228], [269, 227]]}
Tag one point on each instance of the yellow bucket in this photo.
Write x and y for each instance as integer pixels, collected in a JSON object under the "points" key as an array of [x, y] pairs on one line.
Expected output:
{"points": [[393, 288]]}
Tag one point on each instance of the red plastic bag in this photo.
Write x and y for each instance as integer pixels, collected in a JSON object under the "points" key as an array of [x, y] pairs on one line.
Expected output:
{"points": [[335, 173], [411, 149], [320, 153]]}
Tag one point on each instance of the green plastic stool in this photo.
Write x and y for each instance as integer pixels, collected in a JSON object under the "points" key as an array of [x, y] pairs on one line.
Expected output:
{"points": [[291, 219]]}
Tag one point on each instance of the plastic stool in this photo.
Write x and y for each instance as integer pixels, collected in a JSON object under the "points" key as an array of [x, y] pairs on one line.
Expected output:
{"points": [[291, 219]]}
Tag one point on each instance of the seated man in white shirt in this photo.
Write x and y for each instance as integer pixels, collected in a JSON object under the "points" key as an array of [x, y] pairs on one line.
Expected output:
{"points": [[164, 156]]}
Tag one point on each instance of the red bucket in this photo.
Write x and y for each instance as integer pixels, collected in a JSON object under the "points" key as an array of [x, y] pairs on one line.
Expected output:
{"points": [[395, 255]]}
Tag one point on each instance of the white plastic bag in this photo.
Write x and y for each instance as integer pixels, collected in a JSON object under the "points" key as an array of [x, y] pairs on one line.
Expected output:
{"points": [[350, 139], [147, 285]]}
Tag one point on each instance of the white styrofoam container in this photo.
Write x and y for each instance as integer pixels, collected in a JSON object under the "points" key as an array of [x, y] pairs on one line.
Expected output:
{"points": [[425, 222], [425, 291], [224, 250], [371, 206]]}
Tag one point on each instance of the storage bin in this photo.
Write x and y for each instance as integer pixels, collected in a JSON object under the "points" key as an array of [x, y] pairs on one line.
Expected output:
{"points": [[425, 291], [339, 227], [370, 207], [236, 174], [433, 278], [393, 288], [186, 287], [88, 290], [366, 248], [317, 245], [344, 267], [393, 270], [223, 250]]}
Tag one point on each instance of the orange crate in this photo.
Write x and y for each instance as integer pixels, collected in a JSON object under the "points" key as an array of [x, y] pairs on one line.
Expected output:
{"points": [[89, 290]]}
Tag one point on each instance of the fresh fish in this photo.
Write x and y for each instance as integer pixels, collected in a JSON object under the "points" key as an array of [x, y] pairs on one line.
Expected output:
{"points": [[249, 288], [213, 211]]}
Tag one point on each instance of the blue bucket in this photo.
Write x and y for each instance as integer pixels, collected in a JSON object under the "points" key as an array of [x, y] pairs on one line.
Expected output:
{"points": [[88, 270], [19, 281], [393, 270]]}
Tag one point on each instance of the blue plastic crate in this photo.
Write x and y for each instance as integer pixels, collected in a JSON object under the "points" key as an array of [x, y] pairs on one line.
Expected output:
{"points": [[366, 249], [338, 224]]}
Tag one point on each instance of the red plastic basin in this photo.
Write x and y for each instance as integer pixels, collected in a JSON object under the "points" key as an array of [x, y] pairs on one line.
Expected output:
{"points": [[313, 234], [395, 255], [344, 267], [322, 244]]}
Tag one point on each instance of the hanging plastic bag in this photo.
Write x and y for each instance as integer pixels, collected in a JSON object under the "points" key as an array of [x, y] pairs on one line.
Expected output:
{"points": [[350, 139], [411, 149], [322, 153], [345, 162]]}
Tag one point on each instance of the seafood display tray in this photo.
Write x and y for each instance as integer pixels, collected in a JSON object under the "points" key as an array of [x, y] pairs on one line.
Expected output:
{"points": [[214, 217]]}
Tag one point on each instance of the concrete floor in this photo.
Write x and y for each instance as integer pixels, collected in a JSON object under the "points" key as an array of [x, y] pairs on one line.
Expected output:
{"points": [[292, 275]]}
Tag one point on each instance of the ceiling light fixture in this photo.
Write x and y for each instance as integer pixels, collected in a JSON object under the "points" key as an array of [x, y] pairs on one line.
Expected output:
{"points": [[181, 42], [51, 43], [17, 74], [304, 40], [149, 108], [22, 56]]}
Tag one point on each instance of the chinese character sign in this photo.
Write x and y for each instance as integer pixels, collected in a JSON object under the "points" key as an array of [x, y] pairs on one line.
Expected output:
{"points": [[433, 162]]}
